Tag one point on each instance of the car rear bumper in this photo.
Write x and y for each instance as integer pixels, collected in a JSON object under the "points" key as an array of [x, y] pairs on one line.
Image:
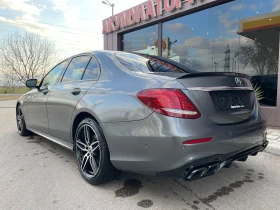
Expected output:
{"points": [[155, 145], [209, 165]]}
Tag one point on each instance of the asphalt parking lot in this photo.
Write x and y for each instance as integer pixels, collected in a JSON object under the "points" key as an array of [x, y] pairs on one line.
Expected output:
{"points": [[38, 174]]}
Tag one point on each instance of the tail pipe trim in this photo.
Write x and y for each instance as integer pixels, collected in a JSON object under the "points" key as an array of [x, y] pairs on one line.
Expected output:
{"points": [[204, 171], [212, 168]]}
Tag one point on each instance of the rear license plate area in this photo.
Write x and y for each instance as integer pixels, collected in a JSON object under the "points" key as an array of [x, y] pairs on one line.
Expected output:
{"points": [[233, 100]]}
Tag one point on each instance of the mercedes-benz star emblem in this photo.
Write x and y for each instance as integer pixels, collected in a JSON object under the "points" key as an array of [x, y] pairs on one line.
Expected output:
{"points": [[238, 81]]}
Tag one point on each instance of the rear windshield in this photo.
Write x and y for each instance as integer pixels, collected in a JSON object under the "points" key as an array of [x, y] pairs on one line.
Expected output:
{"points": [[147, 63]]}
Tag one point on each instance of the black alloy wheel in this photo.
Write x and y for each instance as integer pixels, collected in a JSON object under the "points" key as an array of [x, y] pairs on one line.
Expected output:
{"points": [[92, 153], [88, 150], [22, 130]]}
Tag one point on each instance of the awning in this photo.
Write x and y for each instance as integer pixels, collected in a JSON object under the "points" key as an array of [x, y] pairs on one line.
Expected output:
{"points": [[263, 28]]}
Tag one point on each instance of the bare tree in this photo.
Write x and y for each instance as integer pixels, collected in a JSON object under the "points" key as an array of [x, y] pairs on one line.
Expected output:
{"points": [[263, 58], [8, 84], [26, 56]]}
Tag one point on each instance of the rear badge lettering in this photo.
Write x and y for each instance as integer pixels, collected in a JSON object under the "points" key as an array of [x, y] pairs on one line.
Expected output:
{"points": [[237, 106]]}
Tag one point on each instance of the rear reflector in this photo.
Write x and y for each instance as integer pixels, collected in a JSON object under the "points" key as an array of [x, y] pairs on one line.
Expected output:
{"points": [[169, 102], [198, 141]]}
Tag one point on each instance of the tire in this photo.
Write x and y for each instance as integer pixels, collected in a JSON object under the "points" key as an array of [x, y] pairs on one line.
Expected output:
{"points": [[21, 126], [92, 153]]}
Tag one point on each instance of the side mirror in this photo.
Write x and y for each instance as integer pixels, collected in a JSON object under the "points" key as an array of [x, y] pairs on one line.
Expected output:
{"points": [[31, 83]]}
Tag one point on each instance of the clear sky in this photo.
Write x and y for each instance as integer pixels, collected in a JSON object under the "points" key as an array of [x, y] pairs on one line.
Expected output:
{"points": [[74, 25]]}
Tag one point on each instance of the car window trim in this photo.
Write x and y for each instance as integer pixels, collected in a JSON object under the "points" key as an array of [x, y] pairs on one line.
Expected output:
{"points": [[86, 68], [62, 72], [70, 59], [99, 69], [69, 64]]}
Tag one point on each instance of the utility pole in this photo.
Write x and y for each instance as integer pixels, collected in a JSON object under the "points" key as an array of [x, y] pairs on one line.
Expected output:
{"points": [[109, 4], [169, 48], [112, 6], [227, 59], [215, 63]]}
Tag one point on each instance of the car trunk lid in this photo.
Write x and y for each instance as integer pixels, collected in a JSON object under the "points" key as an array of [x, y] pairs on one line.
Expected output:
{"points": [[226, 98]]}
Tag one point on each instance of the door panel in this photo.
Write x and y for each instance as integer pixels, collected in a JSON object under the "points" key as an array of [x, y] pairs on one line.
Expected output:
{"points": [[61, 105], [36, 109], [36, 104], [64, 97]]}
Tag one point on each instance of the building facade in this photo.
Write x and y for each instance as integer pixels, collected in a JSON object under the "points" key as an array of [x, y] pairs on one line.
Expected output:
{"points": [[209, 36]]}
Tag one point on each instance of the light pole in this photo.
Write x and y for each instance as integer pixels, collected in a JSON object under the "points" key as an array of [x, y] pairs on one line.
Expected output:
{"points": [[171, 43], [169, 48], [215, 63], [109, 4]]}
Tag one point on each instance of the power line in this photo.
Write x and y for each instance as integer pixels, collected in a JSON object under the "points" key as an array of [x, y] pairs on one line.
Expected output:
{"points": [[6, 16], [94, 21], [60, 13], [52, 37], [21, 24]]}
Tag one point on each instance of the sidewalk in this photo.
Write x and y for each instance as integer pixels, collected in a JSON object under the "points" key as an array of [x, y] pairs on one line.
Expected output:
{"points": [[273, 136]]}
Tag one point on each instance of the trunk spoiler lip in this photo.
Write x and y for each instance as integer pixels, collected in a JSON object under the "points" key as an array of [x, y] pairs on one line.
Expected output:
{"points": [[209, 74], [219, 88]]}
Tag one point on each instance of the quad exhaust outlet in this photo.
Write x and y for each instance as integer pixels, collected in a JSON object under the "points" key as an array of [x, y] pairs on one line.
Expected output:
{"points": [[204, 171], [212, 168]]}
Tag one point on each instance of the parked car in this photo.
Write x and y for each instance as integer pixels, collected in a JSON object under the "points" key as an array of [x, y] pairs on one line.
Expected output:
{"points": [[145, 114]]}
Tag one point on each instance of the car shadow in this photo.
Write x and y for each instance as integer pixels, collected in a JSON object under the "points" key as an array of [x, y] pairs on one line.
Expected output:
{"points": [[201, 193], [193, 194]]}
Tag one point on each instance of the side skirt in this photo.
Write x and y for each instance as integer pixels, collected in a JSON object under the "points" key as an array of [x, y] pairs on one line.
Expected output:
{"points": [[53, 139]]}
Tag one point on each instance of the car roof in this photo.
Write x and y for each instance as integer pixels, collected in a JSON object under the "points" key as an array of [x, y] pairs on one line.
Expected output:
{"points": [[100, 52], [108, 52]]}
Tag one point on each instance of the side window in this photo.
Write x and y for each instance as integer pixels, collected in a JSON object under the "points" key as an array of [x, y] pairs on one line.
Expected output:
{"points": [[92, 71], [76, 68], [54, 75]]}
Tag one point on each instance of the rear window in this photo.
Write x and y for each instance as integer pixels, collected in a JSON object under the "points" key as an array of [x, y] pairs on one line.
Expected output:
{"points": [[147, 63]]}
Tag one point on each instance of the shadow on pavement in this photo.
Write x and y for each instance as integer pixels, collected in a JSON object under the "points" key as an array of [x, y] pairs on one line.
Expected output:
{"points": [[196, 194]]}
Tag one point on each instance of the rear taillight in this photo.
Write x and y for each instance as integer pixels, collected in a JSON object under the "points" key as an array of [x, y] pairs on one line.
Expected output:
{"points": [[169, 102]]}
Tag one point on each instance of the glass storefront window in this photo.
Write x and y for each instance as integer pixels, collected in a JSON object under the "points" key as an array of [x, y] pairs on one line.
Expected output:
{"points": [[141, 41], [208, 41], [186, 40], [259, 59]]}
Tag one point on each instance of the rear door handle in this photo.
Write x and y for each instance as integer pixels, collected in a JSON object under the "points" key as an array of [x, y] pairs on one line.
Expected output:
{"points": [[76, 91]]}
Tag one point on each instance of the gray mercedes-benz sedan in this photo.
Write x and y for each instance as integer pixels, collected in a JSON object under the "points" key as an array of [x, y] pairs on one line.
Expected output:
{"points": [[146, 114]]}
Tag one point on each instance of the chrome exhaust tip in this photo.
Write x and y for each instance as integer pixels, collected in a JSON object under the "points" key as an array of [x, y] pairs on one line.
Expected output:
{"points": [[264, 145], [213, 169], [204, 171], [197, 173]]}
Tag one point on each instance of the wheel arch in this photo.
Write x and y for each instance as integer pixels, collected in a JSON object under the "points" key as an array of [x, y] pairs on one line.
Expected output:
{"points": [[17, 105], [77, 118]]}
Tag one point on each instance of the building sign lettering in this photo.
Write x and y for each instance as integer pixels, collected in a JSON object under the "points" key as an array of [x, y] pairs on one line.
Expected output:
{"points": [[141, 12]]}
